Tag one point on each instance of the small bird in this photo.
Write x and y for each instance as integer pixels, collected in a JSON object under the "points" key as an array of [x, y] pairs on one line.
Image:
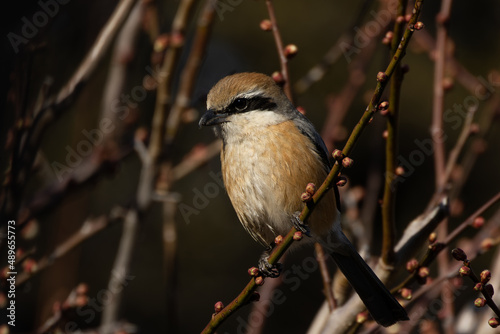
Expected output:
{"points": [[270, 152]]}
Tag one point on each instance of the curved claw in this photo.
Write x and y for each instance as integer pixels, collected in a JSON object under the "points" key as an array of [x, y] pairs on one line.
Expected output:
{"points": [[299, 224], [267, 269]]}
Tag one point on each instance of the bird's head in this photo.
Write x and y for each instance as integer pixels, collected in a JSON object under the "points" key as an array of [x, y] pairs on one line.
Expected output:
{"points": [[241, 101]]}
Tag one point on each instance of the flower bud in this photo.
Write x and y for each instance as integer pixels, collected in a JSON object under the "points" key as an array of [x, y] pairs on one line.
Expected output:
{"points": [[383, 105], [305, 197], [458, 254], [341, 181], [423, 272], [218, 307], [479, 302], [259, 280], [478, 222], [485, 276], [494, 322], [278, 77], [337, 155], [266, 25], [278, 239], [291, 51], [419, 26], [381, 77], [161, 43], [311, 188], [347, 162], [297, 236], [432, 237], [399, 171], [478, 286], [362, 317], [448, 83], [464, 271], [486, 244], [406, 293], [412, 265], [254, 271]]}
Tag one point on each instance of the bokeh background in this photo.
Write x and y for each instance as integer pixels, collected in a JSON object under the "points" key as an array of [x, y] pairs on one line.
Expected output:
{"points": [[213, 250]]}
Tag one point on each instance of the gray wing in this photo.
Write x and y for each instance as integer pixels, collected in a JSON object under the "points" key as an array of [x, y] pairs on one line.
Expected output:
{"points": [[307, 129]]}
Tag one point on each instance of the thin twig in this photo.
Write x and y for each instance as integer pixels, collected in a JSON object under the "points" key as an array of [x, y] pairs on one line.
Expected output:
{"points": [[166, 76], [325, 275], [90, 170], [438, 101], [89, 228], [198, 156], [287, 88], [191, 70], [462, 138], [120, 271], [262, 307], [437, 134], [391, 147]]}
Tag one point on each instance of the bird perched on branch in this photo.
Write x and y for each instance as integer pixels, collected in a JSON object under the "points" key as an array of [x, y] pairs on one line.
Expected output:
{"points": [[270, 153]]}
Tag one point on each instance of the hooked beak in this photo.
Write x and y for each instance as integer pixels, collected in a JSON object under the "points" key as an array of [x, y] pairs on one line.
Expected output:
{"points": [[212, 118]]}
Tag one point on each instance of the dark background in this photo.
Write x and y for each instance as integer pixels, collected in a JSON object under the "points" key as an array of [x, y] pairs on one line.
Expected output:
{"points": [[214, 250]]}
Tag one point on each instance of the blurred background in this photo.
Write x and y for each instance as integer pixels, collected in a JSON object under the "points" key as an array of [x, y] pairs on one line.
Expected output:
{"points": [[174, 289]]}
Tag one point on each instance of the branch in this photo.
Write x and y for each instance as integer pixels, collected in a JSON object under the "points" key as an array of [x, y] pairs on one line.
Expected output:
{"points": [[89, 228], [281, 51], [391, 148], [166, 76], [191, 70], [438, 102], [325, 275], [120, 271]]}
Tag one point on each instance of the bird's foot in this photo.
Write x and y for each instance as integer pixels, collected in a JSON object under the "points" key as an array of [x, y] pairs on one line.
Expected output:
{"points": [[267, 269], [300, 225]]}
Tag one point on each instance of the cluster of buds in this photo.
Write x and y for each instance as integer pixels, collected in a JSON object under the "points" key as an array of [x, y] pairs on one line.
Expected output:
{"points": [[307, 196], [481, 283]]}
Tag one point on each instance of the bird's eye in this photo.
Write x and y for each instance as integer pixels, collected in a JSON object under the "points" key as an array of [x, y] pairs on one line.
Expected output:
{"points": [[240, 104]]}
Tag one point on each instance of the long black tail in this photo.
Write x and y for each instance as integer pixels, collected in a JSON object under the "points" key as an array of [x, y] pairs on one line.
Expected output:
{"points": [[381, 304]]}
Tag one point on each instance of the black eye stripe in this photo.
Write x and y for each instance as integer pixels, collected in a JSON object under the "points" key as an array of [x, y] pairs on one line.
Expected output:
{"points": [[253, 103]]}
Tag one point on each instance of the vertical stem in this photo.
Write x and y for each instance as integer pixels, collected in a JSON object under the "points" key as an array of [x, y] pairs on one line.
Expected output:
{"points": [[191, 70], [279, 45], [391, 148], [437, 133]]}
